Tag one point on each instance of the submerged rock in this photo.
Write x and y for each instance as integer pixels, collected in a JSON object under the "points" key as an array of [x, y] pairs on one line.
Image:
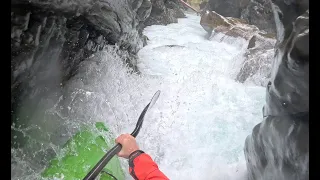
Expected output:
{"points": [[278, 147]]}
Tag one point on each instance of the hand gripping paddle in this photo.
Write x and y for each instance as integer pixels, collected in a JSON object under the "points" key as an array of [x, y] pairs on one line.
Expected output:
{"points": [[117, 148]]}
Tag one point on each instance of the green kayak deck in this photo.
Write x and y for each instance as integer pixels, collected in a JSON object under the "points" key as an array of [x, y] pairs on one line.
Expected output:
{"points": [[81, 153]]}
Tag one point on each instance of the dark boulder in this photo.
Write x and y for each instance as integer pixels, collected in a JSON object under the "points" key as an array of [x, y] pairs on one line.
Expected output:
{"points": [[260, 14], [202, 5], [174, 5], [256, 12], [164, 12], [227, 8], [278, 147]]}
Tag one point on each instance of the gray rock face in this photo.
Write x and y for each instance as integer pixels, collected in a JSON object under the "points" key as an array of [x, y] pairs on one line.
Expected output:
{"points": [[202, 5], [259, 13], [257, 59], [227, 8], [256, 67], [164, 12], [50, 38], [278, 147], [256, 12], [55, 48], [48, 41]]}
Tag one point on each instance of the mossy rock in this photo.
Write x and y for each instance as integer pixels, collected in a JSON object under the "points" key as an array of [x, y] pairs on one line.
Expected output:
{"points": [[81, 153]]}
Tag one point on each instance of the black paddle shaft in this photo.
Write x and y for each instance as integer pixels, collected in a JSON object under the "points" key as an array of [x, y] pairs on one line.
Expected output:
{"points": [[117, 148]]}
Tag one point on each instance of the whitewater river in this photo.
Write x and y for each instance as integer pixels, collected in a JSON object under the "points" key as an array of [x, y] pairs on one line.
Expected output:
{"points": [[198, 126]]}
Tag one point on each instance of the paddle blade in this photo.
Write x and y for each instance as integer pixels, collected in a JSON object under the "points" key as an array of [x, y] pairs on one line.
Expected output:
{"points": [[154, 98]]}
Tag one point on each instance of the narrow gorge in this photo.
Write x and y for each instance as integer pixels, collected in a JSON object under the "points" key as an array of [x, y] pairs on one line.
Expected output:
{"points": [[234, 83]]}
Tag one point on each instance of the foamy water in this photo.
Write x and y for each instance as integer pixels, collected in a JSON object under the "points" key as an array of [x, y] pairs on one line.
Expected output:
{"points": [[198, 126]]}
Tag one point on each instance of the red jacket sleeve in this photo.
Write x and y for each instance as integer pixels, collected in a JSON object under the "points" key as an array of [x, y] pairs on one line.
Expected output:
{"points": [[144, 168]]}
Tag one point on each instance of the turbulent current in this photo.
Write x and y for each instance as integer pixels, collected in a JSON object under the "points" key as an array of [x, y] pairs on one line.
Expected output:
{"points": [[198, 126]]}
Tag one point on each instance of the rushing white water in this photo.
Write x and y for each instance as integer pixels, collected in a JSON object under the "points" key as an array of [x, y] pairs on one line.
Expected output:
{"points": [[206, 115], [198, 126]]}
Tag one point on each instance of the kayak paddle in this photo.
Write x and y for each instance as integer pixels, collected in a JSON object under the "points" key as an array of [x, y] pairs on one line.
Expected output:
{"points": [[117, 148]]}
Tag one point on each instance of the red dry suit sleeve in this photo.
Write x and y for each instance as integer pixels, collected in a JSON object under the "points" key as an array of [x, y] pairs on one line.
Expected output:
{"points": [[142, 167]]}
